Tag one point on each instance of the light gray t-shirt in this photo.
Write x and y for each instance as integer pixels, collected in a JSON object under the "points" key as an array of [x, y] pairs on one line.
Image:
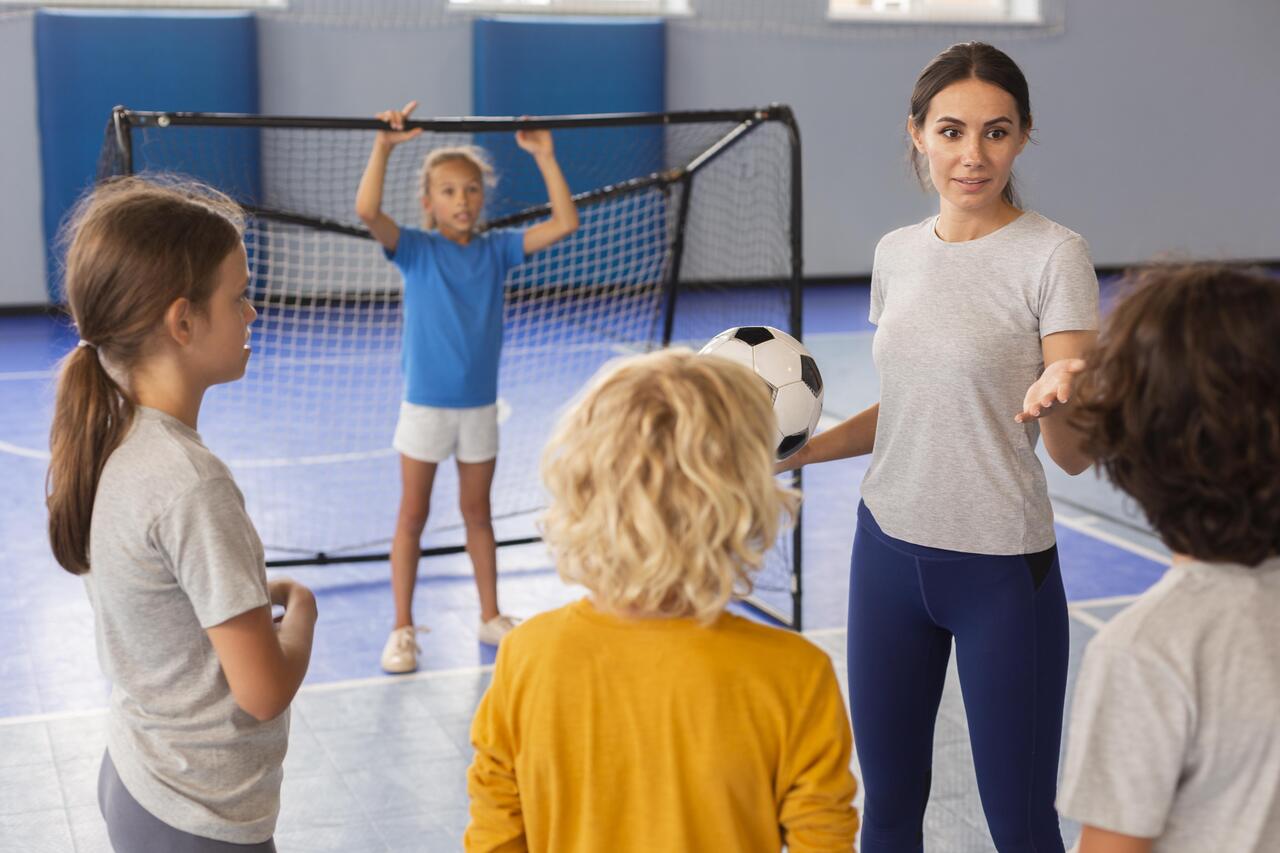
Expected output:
{"points": [[1175, 728], [957, 345], [171, 553]]}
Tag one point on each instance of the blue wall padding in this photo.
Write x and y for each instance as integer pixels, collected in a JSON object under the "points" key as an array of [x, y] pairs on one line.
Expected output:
{"points": [[532, 66], [88, 62]]}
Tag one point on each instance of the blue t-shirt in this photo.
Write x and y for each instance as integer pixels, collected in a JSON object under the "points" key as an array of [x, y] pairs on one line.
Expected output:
{"points": [[453, 314]]}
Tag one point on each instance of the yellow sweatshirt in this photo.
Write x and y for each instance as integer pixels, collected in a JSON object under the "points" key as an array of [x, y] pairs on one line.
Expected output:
{"points": [[607, 735]]}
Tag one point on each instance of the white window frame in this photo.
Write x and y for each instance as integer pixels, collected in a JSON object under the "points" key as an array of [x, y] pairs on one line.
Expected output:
{"points": [[155, 5], [1015, 13], [664, 8]]}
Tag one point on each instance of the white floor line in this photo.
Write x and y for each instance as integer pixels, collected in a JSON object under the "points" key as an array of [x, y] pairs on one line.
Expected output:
{"points": [[52, 717], [839, 336], [17, 375], [26, 452], [391, 680], [1108, 601], [324, 687], [432, 674], [1087, 618], [1086, 526]]}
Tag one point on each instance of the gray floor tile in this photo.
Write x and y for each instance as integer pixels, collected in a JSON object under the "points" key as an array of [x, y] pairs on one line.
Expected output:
{"points": [[370, 709], [75, 737], [78, 778], [453, 695], [346, 838], [88, 829], [29, 788], [427, 833], [306, 755], [419, 741], [24, 743], [37, 832], [321, 801], [410, 789]]}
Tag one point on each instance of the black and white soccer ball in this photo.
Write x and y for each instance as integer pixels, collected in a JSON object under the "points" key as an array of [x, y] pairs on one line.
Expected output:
{"points": [[789, 371]]}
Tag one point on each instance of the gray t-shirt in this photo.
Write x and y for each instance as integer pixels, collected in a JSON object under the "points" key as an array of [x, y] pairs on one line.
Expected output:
{"points": [[1175, 728], [171, 553], [957, 346]]}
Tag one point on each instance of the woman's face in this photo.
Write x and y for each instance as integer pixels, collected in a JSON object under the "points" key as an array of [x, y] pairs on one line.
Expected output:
{"points": [[971, 136]]}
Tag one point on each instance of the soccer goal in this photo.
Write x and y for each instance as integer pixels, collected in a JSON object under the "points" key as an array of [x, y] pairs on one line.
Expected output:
{"points": [[690, 224]]}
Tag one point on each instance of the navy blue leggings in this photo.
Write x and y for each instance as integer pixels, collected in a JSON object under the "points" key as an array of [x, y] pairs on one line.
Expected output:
{"points": [[1008, 615]]}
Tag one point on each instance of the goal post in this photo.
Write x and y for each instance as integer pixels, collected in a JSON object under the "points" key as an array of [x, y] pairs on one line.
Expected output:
{"points": [[690, 222]]}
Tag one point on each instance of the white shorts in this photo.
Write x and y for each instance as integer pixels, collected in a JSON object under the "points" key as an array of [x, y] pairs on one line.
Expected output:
{"points": [[430, 434]]}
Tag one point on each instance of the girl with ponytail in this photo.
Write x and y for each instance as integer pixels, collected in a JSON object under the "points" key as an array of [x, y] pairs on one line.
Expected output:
{"points": [[157, 285]]}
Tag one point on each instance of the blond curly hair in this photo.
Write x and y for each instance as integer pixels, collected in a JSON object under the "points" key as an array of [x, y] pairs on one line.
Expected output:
{"points": [[663, 498]]}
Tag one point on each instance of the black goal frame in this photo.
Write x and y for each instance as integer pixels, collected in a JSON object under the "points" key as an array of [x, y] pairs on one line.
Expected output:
{"points": [[118, 160]]}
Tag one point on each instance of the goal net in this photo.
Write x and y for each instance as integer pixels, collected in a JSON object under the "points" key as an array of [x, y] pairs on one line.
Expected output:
{"points": [[689, 225]]}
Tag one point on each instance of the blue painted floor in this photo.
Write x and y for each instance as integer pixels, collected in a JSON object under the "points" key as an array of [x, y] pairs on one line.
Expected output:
{"points": [[378, 763]]}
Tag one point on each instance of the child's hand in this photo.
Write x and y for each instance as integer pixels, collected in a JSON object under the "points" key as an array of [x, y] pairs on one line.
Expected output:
{"points": [[536, 142], [397, 118], [291, 595], [1053, 386]]}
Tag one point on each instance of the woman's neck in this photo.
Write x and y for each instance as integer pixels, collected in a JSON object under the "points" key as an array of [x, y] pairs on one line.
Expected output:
{"points": [[959, 226]]}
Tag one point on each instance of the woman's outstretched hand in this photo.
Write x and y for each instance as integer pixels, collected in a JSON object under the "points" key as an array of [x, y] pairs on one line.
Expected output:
{"points": [[1053, 387]]}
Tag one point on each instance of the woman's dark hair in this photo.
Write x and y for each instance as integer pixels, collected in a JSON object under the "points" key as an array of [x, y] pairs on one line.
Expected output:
{"points": [[971, 59], [1180, 405]]}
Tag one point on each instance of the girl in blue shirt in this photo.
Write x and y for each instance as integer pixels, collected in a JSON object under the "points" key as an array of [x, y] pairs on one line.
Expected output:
{"points": [[453, 293]]}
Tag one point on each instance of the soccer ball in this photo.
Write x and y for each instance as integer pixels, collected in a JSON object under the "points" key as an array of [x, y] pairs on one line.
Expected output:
{"points": [[789, 372]]}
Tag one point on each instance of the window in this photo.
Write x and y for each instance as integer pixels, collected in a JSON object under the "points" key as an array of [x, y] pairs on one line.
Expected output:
{"points": [[576, 7], [937, 11], [159, 5]]}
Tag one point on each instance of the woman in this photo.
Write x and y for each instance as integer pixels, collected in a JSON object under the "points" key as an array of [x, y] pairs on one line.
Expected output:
{"points": [[983, 312]]}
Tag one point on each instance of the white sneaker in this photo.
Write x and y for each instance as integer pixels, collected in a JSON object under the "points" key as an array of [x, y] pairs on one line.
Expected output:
{"points": [[492, 632], [400, 654]]}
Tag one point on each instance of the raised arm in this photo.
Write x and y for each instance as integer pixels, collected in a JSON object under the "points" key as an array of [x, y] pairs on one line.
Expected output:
{"points": [[564, 214], [265, 664], [369, 195]]}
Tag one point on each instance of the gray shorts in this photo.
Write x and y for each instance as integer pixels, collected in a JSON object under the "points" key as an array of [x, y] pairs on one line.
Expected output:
{"points": [[133, 829]]}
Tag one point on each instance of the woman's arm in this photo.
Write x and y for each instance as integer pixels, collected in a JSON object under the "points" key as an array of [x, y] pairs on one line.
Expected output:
{"points": [[265, 665], [1063, 358], [564, 214], [855, 436]]}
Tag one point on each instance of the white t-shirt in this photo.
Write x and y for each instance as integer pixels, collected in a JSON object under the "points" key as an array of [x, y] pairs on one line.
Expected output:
{"points": [[1175, 728], [956, 348], [171, 553]]}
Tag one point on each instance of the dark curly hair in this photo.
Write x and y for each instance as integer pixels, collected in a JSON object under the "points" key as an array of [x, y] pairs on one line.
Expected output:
{"points": [[1180, 405]]}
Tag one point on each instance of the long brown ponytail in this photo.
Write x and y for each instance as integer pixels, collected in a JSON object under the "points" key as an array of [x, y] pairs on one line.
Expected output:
{"points": [[133, 247]]}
